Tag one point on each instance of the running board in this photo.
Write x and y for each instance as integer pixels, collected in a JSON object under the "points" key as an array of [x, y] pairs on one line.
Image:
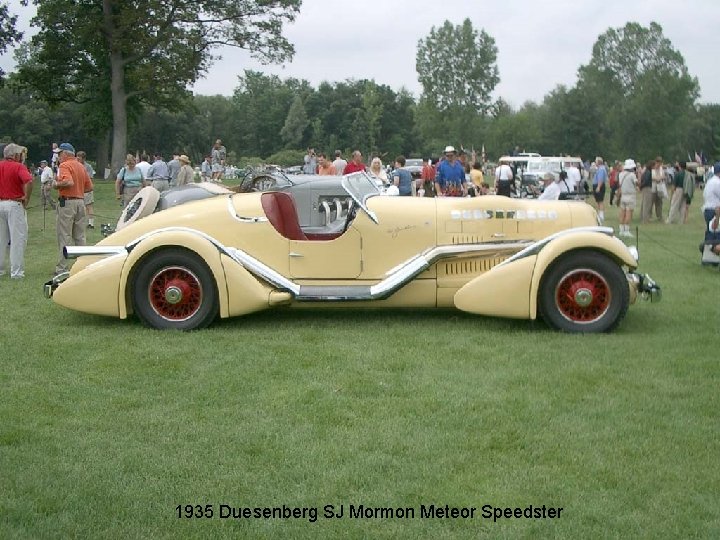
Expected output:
{"points": [[395, 279]]}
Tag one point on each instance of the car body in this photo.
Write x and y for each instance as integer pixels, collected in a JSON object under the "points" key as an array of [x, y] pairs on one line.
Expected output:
{"points": [[235, 254]]}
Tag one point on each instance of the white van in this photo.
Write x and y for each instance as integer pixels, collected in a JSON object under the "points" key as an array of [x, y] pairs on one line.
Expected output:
{"points": [[537, 167]]}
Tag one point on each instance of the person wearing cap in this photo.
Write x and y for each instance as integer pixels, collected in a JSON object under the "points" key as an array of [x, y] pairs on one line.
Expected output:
{"points": [[72, 183], [186, 175], [627, 188], [450, 176], [15, 190], [552, 188], [46, 178]]}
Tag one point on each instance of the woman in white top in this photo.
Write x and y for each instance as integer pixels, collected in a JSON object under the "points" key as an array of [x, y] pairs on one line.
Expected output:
{"points": [[377, 170], [627, 189]]}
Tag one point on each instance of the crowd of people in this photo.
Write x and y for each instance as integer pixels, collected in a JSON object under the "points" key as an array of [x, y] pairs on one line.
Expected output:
{"points": [[456, 174]]}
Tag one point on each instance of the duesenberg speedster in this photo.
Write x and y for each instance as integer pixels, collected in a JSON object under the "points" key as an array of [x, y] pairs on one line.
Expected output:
{"points": [[235, 254]]}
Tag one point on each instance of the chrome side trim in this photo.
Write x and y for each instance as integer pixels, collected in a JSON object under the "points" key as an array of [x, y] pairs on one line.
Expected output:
{"points": [[73, 252], [534, 248], [262, 270], [234, 215]]}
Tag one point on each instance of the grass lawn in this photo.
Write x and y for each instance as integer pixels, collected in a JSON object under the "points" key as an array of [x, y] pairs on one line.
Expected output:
{"points": [[108, 426]]}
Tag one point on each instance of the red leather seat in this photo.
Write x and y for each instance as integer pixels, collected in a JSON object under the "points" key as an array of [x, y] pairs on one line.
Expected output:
{"points": [[280, 209]]}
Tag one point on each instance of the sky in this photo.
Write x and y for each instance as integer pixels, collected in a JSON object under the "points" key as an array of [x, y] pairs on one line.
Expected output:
{"points": [[541, 43]]}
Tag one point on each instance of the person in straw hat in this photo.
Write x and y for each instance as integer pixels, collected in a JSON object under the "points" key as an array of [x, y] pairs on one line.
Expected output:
{"points": [[627, 189], [186, 174]]}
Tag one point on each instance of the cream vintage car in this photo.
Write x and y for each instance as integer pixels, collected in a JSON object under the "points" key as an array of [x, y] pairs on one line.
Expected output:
{"points": [[235, 254]]}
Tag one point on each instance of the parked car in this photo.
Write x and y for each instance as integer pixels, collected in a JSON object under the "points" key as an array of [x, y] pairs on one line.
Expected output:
{"points": [[414, 165], [235, 254]]}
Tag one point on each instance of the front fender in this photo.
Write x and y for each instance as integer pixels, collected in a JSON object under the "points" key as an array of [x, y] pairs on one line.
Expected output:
{"points": [[187, 239], [595, 241], [511, 289]]}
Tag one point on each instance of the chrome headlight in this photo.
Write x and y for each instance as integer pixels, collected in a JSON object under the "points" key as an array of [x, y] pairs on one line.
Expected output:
{"points": [[634, 252]]}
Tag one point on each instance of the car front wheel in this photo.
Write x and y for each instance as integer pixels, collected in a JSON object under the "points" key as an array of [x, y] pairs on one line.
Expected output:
{"points": [[584, 291], [174, 289]]}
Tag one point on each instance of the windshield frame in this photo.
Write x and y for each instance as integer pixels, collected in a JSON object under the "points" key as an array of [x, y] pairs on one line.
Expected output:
{"points": [[361, 187]]}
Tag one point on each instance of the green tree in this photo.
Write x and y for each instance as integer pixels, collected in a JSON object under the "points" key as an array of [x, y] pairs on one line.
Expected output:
{"points": [[295, 124], [261, 104], [641, 89], [120, 56], [456, 67], [9, 35]]}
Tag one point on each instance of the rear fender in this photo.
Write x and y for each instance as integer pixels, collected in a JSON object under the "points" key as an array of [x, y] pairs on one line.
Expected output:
{"points": [[186, 239]]}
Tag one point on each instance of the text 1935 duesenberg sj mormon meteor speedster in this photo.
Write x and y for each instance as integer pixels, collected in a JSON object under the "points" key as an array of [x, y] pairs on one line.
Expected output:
{"points": [[234, 254]]}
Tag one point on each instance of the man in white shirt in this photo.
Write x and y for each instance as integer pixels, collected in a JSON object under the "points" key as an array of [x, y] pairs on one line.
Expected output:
{"points": [[339, 162], [573, 176], [504, 180], [711, 210], [46, 178], [552, 189], [144, 165]]}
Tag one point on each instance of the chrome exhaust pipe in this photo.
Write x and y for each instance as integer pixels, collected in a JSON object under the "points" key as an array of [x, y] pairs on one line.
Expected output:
{"points": [[73, 252]]}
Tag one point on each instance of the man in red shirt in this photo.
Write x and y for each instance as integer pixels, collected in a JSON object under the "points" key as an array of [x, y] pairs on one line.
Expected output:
{"points": [[356, 164], [72, 183], [15, 190]]}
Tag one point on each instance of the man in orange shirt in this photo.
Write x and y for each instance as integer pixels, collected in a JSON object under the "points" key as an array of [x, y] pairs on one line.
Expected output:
{"points": [[15, 190], [72, 183], [325, 167]]}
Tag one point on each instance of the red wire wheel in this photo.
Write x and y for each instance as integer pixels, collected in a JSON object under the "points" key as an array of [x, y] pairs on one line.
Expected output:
{"points": [[173, 288], [584, 291], [583, 296], [175, 293]]}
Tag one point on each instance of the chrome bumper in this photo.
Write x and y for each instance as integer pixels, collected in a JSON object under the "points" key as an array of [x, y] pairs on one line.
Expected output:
{"points": [[646, 286], [50, 286]]}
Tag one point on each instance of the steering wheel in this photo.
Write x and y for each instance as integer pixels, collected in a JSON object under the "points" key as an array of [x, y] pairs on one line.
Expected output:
{"points": [[263, 183], [352, 212]]}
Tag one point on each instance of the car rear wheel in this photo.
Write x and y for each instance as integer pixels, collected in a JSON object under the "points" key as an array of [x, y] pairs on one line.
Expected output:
{"points": [[584, 291], [174, 289]]}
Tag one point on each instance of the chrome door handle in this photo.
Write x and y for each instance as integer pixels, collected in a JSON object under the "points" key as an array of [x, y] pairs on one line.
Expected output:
{"points": [[293, 254]]}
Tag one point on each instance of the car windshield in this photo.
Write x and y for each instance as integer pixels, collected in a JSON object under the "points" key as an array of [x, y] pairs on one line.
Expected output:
{"points": [[412, 162], [361, 187]]}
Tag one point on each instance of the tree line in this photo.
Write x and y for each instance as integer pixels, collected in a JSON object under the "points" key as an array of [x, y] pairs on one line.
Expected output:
{"points": [[635, 97]]}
